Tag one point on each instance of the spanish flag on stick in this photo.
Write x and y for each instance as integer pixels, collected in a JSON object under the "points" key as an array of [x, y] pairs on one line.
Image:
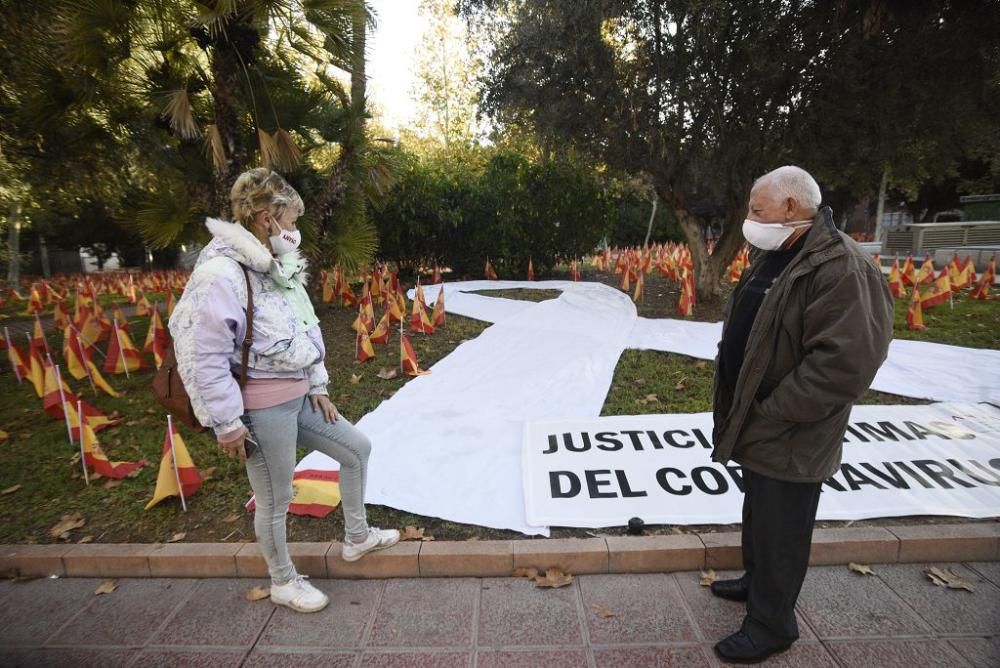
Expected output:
{"points": [[419, 320], [122, 355], [915, 314], [531, 270], [382, 330], [896, 280], [685, 304], [38, 342], [363, 350], [157, 332], [178, 475], [939, 291], [17, 359], [143, 308], [488, 271], [60, 316], [93, 456], [438, 317], [638, 289], [408, 358]]}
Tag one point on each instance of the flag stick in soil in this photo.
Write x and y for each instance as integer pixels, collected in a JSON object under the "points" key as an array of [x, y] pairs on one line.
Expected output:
{"points": [[10, 355], [83, 455], [173, 457], [62, 399]]}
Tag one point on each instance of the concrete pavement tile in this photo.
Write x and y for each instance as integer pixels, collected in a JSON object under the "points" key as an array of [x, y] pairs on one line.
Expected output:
{"points": [[417, 660], [263, 659], [67, 658], [217, 613], [34, 610], [514, 612], [803, 654], [988, 569], [839, 603], [429, 612], [340, 624], [560, 658], [894, 653], [980, 652], [716, 617], [130, 615], [651, 657], [947, 610], [645, 608], [187, 658]]}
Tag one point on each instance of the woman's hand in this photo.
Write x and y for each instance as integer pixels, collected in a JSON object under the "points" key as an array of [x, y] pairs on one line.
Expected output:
{"points": [[235, 447], [322, 402]]}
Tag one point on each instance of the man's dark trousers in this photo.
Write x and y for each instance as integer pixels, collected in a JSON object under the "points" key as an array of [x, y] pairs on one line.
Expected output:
{"points": [[778, 518]]}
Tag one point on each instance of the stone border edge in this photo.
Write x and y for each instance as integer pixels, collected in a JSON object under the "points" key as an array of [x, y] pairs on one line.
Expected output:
{"points": [[612, 554]]}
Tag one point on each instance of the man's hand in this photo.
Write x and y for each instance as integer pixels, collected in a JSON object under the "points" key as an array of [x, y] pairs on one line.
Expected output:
{"points": [[235, 447], [323, 403]]}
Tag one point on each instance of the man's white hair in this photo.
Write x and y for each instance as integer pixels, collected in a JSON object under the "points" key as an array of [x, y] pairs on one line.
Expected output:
{"points": [[794, 182]]}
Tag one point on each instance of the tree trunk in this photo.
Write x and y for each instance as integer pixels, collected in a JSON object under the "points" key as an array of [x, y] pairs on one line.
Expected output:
{"points": [[14, 244], [880, 208], [43, 256], [227, 82], [652, 217]]}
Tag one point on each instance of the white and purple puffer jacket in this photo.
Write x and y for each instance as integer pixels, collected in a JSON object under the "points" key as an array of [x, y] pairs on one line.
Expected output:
{"points": [[209, 323]]}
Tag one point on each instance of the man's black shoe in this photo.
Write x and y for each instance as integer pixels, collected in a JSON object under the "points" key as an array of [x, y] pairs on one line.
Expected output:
{"points": [[734, 590], [740, 648]]}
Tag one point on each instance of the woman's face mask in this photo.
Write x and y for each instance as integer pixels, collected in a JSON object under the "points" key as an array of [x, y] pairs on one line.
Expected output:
{"points": [[284, 241]]}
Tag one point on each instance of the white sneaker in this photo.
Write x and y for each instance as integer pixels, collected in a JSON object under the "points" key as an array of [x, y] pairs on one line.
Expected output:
{"points": [[378, 539], [299, 595]]}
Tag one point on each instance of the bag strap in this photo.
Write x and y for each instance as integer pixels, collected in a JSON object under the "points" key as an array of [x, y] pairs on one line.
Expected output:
{"points": [[248, 336]]}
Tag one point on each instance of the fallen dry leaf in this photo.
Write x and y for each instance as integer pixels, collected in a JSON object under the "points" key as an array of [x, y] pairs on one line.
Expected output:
{"points": [[111, 484], [531, 573], [603, 611], [676, 531], [66, 524], [176, 537], [356, 378], [700, 364], [387, 374], [106, 587], [85, 539], [553, 578], [231, 518], [10, 490], [706, 578], [257, 593], [943, 577], [427, 539], [863, 569], [411, 533], [680, 386], [207, 473]]}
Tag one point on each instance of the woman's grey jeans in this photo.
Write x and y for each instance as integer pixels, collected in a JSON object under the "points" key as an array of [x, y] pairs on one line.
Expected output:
{"points": [[277, 431]]}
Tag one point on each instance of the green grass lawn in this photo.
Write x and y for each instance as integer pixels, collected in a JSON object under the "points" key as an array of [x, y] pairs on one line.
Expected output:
{"points": [[38, 461]]}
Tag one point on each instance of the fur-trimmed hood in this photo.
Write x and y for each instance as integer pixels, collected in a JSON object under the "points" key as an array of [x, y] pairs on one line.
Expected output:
{"points": [[234, 241]]}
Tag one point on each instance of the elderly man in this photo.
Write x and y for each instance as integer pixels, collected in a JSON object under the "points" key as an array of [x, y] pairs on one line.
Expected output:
{"points": [[805, 331]]}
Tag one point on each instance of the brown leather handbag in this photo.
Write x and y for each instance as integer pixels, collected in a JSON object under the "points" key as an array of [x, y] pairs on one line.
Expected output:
{"points": [[168, 388]]}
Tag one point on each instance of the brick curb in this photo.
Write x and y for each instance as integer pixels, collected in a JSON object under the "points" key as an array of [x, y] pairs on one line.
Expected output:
{"points": [[614, 554]]}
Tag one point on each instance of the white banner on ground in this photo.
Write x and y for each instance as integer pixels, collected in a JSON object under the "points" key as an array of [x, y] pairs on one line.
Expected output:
{"points": [[942, 459]]}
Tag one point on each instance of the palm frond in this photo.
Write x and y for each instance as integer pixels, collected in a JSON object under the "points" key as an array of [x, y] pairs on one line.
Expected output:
{"points": [[178, 111], [286, 154], [268, 149], [215, 148]]}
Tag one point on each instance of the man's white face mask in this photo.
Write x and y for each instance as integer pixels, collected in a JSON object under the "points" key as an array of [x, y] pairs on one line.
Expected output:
{"points": [[771, 236]]}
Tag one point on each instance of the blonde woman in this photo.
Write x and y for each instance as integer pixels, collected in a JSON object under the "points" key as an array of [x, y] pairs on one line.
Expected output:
{"points": [[284, 402]]}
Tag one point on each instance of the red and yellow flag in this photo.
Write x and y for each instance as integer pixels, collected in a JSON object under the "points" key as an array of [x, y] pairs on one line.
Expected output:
{"points": [[178, 475], [157, 332], [18, 361], [363, 350], [909, 272], [38, 342], [436, 276], [142, 307], [382, 330], [93, 417], [347, 297], [36, 372], [896, 280], [171, 303], [939, 291], [94, 457], [408, 358], [419, 320], [985, 283], [915, 315], [685, 304], [490, 274], [314, 493], [60, 316], [122, 355], [55, 393], [531, 270], [626, 284], [438, 317], [926, 272], [120, 319], [638, 288]]}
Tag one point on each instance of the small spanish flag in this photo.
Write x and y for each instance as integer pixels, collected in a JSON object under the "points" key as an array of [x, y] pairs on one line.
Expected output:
{"points": [[915, 315], [408, 358], [94, 457], [685, 305], [178, 475], [490, 274], [60, 316], [438, 317], [314, 493], [143, 308], [419, 320], [171, 303], [896, 280], [157, 333], [122, 355], [926, 272], [638, 288], [363, 347], [938, 293], [382, 330], [38, 342], [531, 270]]}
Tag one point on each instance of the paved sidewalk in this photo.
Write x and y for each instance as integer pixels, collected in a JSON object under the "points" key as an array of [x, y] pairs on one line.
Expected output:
{"points": [[897, 618]]}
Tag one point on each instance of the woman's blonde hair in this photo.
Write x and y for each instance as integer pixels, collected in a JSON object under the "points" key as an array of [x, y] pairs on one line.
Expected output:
{"points": [[259, 190]]}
